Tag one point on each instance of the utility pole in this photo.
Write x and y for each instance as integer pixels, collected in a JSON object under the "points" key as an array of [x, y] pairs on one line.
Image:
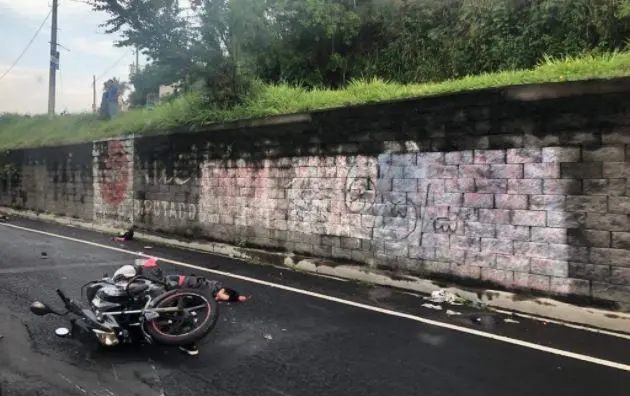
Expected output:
{"points": [[137, 60], [54, 60], [93, 94]]}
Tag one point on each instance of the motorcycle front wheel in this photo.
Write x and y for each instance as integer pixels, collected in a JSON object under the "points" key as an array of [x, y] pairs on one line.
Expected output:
{"points": [[199, 315]]}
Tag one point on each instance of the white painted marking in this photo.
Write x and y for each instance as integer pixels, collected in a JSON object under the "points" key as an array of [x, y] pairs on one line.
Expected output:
{"points": [[73, 384], [277, 391], [328, 276], [557, 322], [157, 379], [542, 319], [115, 373], [466, 330]]}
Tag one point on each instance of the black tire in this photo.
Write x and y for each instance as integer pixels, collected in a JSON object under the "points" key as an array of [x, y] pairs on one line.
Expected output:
{"points": [[195, 335]]}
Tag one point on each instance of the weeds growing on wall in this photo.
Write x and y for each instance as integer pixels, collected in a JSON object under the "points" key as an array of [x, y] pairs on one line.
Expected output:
{"points": [[269, 100]]}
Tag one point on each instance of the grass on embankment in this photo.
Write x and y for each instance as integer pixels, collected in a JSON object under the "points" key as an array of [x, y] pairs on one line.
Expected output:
{"points": [[18, 131]]}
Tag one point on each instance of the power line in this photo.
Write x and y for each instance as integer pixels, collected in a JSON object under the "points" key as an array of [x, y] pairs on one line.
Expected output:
{"points": [[113, 65], [27, 46], [82, 1]]}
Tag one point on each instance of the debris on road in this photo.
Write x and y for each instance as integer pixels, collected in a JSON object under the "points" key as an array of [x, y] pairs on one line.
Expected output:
{"points": [[508, 320], [268, 337], [452, 313], [126, 235], [442, 296], [44, 255], [3, 218], [432, 306]]}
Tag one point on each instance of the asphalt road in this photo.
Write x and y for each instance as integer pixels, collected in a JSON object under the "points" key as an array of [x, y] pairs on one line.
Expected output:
{"points": [[280, 343]]}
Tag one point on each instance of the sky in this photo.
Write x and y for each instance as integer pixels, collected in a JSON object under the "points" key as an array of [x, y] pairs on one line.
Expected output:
{"points": [[89, 52]]}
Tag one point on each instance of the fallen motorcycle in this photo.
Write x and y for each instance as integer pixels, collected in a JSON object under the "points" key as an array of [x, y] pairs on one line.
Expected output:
{"points": [[131, 305]]}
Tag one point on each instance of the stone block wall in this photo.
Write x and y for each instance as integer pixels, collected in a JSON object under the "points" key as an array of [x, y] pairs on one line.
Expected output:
{"points": [[524, 218], [522, 187], [52, 179]]}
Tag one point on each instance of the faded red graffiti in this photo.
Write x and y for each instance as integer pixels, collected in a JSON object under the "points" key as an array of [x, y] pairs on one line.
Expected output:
{"points": [[115, 173]]}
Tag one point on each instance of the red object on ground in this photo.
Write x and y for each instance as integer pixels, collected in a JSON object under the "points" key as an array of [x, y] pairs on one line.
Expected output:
{"points": [[150, 263]]}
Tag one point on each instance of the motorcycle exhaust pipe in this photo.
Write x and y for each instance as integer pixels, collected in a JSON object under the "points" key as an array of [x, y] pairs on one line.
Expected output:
{"points": [[106, 338]]}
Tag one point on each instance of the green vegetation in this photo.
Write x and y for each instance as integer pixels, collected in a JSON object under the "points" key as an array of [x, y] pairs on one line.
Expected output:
{"points": [[239, 59], [267, 100], [329, 43]]}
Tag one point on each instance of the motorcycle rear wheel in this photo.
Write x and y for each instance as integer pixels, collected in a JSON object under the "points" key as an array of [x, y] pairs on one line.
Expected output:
{"points": [[155, 327]]}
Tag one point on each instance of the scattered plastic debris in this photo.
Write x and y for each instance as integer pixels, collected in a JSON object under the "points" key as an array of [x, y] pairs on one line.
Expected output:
{"points": [[442, 296], [148, 247], [452, 313], [432, 306], [44, 255], [268, 337], [508, 320]]}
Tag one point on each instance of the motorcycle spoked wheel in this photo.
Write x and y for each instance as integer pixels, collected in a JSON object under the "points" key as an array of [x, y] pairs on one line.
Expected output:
{"points": [[180, 329]]}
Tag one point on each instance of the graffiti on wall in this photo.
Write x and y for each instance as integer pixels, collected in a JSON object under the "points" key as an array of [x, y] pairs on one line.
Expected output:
{"points": [[447, 225], [113, 181], [369, 190], [165, 209], [344, 196], [114, 173], [241, 196], [182, 171]]}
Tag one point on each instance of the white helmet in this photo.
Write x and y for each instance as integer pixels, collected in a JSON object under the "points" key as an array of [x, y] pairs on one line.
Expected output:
{"points": [[123, 273]]}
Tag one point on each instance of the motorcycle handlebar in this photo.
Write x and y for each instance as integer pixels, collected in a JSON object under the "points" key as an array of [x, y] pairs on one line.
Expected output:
{"points": [[62, 296], [70, 305]]}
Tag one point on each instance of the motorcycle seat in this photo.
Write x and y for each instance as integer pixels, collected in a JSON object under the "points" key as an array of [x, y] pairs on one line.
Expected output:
{"points": [[137, 288]]}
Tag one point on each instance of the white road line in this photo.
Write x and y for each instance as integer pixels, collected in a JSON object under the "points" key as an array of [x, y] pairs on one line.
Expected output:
{"points": [[328, 277], [559, 323], [495, 337]]}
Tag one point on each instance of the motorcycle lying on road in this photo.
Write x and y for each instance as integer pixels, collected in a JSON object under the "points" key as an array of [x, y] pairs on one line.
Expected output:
{"points": [[131, 305]]}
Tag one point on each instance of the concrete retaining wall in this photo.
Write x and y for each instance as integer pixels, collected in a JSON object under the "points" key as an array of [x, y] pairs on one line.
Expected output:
{"points": [[522, 187]]}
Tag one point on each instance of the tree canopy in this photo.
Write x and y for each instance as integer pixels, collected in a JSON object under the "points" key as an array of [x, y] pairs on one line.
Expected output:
{"points": [[327, 43]]}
